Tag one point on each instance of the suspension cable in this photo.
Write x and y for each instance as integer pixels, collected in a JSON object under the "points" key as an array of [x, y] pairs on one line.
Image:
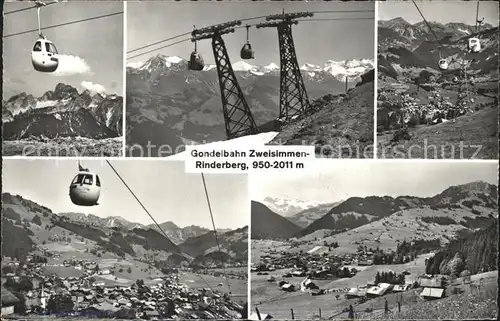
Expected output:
{"points": [[430, 29], [158, 42], [477, 17], [246, 19], [215, 232], [151, 216], [65, 24], [162, 47], [28, 8], [239, 27]]}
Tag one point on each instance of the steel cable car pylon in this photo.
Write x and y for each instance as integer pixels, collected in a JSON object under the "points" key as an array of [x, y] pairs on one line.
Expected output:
{"points": [[293, 95], [238, 118]]}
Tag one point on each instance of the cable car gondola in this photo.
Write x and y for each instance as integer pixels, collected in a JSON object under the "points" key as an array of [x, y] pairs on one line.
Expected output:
{"points": [[246, 51], [443, 64], [44, 56], [474, 45], [85, 188], [44, 53], [196, 62]]}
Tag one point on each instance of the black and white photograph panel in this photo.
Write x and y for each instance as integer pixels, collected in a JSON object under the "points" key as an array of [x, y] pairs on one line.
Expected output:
{"points": [[63, 78], [124, 239], [240, 73], [437, 80], [375, 240]]}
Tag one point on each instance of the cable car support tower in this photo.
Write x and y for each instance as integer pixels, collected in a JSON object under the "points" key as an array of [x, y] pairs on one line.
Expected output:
{"points": [[293, 95], [237, 115]]}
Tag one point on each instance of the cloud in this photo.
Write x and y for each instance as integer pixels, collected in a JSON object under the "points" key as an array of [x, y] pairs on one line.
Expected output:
{"points": [[93, 88], [135, 64], [71, 65]]}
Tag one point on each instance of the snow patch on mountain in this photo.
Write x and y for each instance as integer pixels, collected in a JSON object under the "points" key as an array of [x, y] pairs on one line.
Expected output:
{"points": [[271, 67], [341, 69], [135, 64], [242, 66]]}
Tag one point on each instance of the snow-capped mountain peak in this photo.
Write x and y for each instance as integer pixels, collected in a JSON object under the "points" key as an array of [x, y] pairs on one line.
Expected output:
{"points": [[271, 67], [243, 66], [310, 67], [157, 62], [352, 69]]}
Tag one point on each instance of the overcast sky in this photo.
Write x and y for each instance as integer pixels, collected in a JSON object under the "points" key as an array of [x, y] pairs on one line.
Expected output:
{"points": [[99, 43], [316, 42], [330, 181], [162, 186], [440, 11]]}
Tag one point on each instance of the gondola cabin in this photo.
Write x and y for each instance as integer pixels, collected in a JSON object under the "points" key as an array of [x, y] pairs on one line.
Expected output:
{"points": [[196, 62], [474, 44], [247, 52], [44, 56], [443, 64], [85, 189]]}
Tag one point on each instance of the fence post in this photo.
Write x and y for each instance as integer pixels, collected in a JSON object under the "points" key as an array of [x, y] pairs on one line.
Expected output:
{"points": [[320, 313], [293, 316], [258, 313]]}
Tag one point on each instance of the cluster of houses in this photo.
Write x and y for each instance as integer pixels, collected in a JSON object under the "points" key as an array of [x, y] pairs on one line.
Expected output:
{"points": [[153, 298], [318, 261]]}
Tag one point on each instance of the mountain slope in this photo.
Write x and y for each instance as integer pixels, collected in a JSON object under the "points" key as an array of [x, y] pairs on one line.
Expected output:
{"points": [[356, 211], [167, 104], [109, 222], [419, 102], [476, 253], [178, 234], [268, 225], [25, 220], [339, 126], [307, 216], [62, 112], [204, 247]]}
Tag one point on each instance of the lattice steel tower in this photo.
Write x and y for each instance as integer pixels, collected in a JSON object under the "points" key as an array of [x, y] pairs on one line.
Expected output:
{"points": [[293, 95], [237, 115]]}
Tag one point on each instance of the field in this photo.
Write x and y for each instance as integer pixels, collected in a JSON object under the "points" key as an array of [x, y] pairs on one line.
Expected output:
{"points": [[65, 146], [269, 298], [239, 288]]}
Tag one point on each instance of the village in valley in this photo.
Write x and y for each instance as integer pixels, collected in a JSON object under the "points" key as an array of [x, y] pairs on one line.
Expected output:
{"points": [[375, 257], [72, 264]]}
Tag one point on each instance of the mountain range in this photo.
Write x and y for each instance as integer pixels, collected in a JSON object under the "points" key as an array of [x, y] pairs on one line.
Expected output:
{"points": [[301, 213], [29, 226], [62, 112], [409, 48], [468, 206], [168, 104], [175, 233]]}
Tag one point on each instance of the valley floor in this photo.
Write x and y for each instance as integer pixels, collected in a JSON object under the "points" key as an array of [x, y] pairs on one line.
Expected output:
{"points": [[470, 304], [64, 146]]}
